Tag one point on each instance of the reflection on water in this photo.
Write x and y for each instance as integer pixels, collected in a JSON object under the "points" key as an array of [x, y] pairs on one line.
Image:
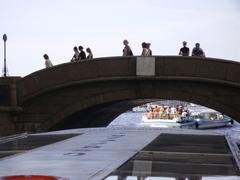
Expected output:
{"points": [[180, 157]]}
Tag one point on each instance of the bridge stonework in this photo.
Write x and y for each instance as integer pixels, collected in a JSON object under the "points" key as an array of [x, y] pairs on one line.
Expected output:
{"points": [[93, 93]]}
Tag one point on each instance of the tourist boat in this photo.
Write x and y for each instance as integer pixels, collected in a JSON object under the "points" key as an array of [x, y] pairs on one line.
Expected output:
{"points": [[153, 119], [203, 119], [212, 119]]}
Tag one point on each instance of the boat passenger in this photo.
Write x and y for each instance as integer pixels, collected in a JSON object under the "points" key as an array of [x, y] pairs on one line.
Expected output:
{"points": [[184, 113], [161, 110], [156, 111], [172, 112], [180, 110]]}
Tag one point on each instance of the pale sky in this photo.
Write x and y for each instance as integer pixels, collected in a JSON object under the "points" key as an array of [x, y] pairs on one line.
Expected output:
{"points": [[36, 27]]}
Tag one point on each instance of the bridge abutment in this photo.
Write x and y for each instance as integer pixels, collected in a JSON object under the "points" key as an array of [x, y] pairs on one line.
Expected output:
{"points": [[9, 109]]}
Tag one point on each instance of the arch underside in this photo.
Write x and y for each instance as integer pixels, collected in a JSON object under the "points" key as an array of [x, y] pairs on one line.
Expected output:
{"points": [[97, 104]]}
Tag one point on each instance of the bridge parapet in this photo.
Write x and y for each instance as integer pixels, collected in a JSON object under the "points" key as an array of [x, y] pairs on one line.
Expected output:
{"points": [[114, 68], [71, 73], [197, 67]]}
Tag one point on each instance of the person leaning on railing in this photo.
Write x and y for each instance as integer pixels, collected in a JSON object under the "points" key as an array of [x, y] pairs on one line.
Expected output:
{"points": [[197, 51]]}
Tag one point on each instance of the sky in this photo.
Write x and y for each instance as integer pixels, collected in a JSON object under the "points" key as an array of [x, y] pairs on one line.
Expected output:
{"points": [[54, 27]]}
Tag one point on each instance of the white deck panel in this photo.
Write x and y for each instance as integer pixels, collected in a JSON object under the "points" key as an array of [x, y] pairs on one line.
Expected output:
{"points": [[104, 150], [92, 155]]}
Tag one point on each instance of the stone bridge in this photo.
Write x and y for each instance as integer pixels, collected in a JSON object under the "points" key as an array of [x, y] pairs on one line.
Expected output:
{"points": [[93, 93]]}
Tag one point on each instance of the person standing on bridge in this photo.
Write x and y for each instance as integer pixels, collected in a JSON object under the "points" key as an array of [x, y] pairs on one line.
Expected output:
{"points": [[48, 63], [149, 51], [76, 54], [184, 51], [144, 49], [90, 54], [127, 50], [82, 54], [197, 51]]}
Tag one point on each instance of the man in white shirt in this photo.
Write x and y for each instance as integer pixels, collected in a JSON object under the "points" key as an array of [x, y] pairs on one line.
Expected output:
{"points": [[48, 63]]}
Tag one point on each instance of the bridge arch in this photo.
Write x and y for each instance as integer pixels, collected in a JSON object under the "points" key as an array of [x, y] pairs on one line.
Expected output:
{"points": [[52, 95]]}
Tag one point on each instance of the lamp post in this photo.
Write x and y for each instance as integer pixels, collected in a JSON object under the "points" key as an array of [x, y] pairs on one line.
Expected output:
{"points": [[5, 63]]}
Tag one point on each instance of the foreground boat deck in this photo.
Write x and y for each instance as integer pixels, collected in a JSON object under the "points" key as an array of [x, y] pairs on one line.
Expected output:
{"points": [[96, 153]]}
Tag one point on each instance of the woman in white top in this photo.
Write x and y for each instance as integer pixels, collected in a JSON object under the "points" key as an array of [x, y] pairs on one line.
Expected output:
{"points": [[144, 49], [149, 51], [48, 63]]}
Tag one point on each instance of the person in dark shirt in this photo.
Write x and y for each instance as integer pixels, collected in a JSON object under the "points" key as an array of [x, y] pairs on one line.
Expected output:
{"points": [[82, 54], [184, 51], [197, 51]]}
